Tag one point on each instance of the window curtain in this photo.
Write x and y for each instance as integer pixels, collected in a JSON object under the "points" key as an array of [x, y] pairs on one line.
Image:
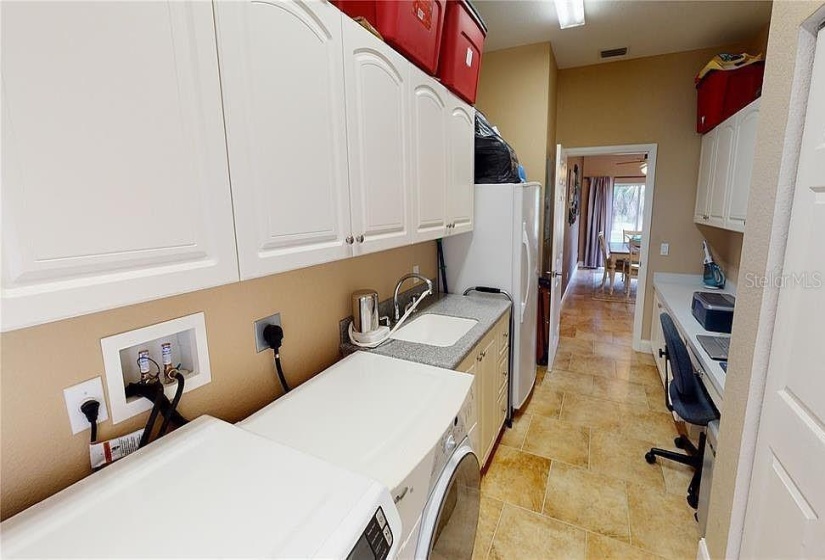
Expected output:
{"points": [[599, 217]]}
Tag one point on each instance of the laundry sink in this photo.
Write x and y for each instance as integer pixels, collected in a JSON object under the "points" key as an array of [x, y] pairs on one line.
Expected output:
{"points": [[435, 330]]}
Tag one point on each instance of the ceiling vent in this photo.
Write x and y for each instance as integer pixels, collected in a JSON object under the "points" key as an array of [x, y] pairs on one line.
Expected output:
{"points": [[611, 53]]}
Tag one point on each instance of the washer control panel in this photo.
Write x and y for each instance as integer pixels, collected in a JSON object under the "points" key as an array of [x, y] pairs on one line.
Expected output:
{"points": [[376, 540]]}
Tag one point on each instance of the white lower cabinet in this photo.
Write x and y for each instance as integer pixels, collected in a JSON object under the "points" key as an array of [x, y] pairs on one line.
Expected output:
{"points": [[489, 363], [657, 337], [282, 72], [115, 187]]}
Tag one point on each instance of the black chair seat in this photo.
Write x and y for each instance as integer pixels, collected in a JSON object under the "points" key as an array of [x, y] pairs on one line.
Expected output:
{"points": [[698, 412]]}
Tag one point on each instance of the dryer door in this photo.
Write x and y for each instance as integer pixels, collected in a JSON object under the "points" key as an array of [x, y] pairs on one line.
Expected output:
{"points": [[449, 521]]}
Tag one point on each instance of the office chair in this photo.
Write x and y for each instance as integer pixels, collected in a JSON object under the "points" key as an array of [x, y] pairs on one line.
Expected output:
{"points": [[691, 403]]}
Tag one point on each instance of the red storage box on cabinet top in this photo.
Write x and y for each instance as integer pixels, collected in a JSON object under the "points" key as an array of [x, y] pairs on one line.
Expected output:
{"points": [[722, 93], [461, 47], [412, 27]]}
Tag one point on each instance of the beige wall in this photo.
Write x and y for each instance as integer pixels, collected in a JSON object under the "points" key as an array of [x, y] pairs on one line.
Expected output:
{"points": [[40, 455], [774, 176], [641, 101], [513, 93]]}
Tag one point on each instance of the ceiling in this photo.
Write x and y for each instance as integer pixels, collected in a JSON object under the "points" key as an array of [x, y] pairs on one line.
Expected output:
{"points": [[645, 27]]}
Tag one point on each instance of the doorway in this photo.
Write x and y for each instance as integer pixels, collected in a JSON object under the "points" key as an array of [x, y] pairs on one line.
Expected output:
{"points": [[630, 204]]}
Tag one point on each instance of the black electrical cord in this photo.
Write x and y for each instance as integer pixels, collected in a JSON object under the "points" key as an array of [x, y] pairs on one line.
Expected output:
{"points": [[147, 391], [274, 336], [91, 410], [167, 415], [150, 423]]}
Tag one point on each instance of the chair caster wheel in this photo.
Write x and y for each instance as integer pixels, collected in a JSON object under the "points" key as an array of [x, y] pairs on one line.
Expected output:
{"points": [[650, 457], [679, 442]]}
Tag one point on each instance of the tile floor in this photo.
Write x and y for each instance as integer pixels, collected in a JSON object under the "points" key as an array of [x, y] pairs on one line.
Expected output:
{"points": [[569, 480]]}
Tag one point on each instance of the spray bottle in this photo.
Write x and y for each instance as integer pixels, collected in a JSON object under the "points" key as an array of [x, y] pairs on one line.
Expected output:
{"points": [[713, 275]]}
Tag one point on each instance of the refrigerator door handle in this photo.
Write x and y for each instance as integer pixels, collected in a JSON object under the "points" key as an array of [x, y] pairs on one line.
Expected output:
{"points": [[525, 241]]}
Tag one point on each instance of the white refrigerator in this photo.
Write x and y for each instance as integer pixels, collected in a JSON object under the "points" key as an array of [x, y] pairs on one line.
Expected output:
{"points": [[502, 252]]}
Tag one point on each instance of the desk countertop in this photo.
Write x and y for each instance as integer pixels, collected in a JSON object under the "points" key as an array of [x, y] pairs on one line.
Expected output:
{"points": [[676, 294]]}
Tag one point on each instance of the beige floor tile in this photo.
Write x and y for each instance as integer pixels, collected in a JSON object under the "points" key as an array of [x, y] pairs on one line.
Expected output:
{"points": [[514, 437], [614, 454], [656, 398], [578, 346], [544, 402], [587, 411], [488, 516], [677, 476], [517, 478], [559, 440], [650, 425], [662, 523], [593, 365], [638, 373], [562, 361], [522, 535], [566, 381], [590, 500], [604, 548], [619, 390], [541, 371], [622, 338], [610, 350]]}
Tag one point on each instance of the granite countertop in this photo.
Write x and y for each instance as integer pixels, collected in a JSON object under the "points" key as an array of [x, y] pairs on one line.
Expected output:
{"points": [[486, 310]]}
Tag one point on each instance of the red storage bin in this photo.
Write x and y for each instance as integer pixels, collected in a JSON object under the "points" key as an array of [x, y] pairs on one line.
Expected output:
{"points": [[412, 27], [723, 93], [461, 47]]}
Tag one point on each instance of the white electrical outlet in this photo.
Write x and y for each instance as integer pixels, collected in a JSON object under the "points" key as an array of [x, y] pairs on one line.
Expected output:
{"points": [[665, 249], [416, 270], [80, 393]]}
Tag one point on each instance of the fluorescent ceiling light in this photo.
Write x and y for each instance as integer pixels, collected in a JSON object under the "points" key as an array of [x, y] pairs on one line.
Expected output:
{"points": [[570, 12]]}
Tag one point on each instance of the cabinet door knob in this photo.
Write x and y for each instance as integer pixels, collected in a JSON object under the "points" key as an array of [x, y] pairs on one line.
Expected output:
{"points": [[350, 240], [360, 238]]}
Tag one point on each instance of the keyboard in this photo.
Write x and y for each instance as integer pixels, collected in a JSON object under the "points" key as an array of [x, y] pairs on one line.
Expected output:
{"points": [[716, 346]]}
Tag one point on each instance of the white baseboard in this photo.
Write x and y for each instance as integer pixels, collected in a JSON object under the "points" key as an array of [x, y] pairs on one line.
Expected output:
{"points": [[702, 553], [643, 346]]}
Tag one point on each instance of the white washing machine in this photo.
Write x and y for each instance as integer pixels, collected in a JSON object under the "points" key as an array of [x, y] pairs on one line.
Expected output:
{"points": [[401, 423], [211, 490]]}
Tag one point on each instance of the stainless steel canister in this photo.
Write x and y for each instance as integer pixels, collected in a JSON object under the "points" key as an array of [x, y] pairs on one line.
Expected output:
{"points": [[364, 311]]}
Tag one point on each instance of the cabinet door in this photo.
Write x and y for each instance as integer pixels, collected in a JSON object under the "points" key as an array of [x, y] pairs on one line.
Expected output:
{"points": [[115, 185], [703, 186], [657, 336], [461, 177], [282, 74], [742, 168], [470, 365], [429, 153], [378, 137], [488, 371], [726, 136]]}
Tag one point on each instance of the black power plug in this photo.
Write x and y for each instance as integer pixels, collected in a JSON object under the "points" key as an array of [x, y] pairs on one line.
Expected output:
{"points": [[274, 336], [91, 410]]}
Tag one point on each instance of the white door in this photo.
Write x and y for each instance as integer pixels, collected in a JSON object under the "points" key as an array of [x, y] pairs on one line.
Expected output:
{"points": [[559, 218], [378, 135], [282, 74], [461, 146], [725, 139], [703, 185], [115, 187], [526, 286], [429, 154], [786, 508], [742, 168]]}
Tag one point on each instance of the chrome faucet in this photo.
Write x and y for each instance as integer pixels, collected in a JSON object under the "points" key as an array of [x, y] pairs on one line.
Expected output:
{"points": [[403, 279]]}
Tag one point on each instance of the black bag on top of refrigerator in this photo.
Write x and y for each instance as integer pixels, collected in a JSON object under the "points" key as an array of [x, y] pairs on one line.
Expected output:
{"points": [[496, 161]]}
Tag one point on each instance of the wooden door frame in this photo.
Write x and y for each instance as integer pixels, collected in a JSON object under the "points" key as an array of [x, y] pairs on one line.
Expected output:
{"points": [[639, 345]]}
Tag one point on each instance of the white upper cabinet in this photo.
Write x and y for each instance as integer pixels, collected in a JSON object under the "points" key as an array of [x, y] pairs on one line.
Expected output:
{"points": [[725, 138], [377, 103], [706, 162], [282, 72], [737, 207], [429, 156], [115, 188], [461, 175], [725, 171]]}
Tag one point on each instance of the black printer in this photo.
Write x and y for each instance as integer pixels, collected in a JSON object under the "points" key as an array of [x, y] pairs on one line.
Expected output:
{"points": [[714, 311]]}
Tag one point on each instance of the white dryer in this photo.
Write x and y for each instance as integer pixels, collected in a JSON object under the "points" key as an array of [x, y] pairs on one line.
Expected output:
{"points": [[211, 490], [401, 423]]}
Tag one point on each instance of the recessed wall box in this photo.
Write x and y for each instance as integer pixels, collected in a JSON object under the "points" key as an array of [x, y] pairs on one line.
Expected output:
{"points": [[187, 336]]}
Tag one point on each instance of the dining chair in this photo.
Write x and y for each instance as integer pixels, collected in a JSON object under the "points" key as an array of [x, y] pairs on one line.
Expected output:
{"points": [[633, 264], [609, 263]]}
